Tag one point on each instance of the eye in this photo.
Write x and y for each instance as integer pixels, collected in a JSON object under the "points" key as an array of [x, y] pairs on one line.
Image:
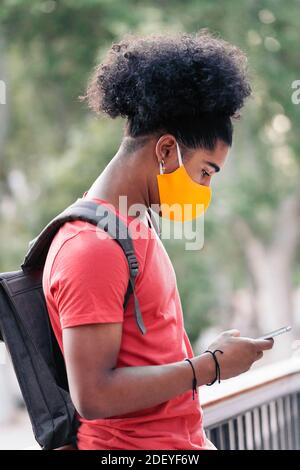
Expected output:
{"points": [[204, 173]]}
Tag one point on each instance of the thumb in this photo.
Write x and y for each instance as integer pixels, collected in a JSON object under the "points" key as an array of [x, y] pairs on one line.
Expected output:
{"points": [[263, 344], [232, 332]]}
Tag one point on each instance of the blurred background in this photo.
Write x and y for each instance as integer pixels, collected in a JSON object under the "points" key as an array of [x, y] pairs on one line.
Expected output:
{"points": [[247, 275]]}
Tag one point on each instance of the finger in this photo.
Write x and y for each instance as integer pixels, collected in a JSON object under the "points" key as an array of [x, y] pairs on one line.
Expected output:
{"points": [[259, 356], [232, 332], [263, 344]]}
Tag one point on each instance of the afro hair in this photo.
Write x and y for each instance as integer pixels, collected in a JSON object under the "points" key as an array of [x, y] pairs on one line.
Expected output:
{"points": [[187, 84]]}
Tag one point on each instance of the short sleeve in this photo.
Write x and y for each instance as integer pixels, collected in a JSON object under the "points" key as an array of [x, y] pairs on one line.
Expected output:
{"points": [[89, 279]]}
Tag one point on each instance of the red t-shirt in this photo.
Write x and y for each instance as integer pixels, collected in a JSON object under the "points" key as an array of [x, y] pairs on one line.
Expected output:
{"points": [[84, 282]]}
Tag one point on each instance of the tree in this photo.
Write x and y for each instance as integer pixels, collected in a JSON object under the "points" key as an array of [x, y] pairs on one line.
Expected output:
{"points": [[54, 147]]}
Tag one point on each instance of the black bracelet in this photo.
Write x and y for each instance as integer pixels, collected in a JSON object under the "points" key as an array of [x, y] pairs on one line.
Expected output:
{"points": [[218, 370], [194, 382]]}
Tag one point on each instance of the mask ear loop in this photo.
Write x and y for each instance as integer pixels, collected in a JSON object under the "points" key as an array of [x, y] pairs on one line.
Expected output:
{"points": [[179, 155]]}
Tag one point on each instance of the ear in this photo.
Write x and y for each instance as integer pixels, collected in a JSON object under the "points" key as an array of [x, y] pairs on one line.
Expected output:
{"points": [[165, 149]]}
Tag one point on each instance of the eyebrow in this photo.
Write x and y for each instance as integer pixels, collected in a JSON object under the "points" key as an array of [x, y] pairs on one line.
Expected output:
{"points": [[214, 165]]}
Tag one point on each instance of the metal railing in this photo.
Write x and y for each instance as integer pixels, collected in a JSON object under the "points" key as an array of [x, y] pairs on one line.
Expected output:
{"points": [[259, 410]]}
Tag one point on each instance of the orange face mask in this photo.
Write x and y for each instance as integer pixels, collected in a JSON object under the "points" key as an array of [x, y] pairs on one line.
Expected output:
{"points": [[181, 198]]}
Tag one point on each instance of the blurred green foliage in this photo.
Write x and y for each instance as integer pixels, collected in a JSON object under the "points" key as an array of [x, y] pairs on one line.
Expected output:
{"points": [[54, 148]]}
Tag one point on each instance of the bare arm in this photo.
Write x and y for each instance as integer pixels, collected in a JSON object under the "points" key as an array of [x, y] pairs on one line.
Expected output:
{"points": [[100, 390]]}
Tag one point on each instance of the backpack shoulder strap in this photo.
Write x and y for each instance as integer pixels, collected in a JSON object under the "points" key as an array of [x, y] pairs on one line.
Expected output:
{"points": [[96, 214]]}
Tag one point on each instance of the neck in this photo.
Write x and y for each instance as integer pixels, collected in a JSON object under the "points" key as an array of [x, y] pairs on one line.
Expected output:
{"points": [[122, 177]]}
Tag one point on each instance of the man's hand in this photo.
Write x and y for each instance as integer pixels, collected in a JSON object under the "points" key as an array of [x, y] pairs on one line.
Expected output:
{"points": [[239, 352]]}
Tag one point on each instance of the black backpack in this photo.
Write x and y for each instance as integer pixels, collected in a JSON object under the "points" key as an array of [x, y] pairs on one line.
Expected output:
{"points": [[26, 330]]}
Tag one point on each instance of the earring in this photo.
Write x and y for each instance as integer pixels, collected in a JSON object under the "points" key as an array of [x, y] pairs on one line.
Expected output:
{"points": [[162, 167]]}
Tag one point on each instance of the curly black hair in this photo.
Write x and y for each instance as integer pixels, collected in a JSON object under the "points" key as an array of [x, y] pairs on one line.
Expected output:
{"points": [[190, 85]]}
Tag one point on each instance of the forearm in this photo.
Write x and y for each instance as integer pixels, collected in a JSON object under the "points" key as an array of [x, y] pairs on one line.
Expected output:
{"points": [[130, 389]]}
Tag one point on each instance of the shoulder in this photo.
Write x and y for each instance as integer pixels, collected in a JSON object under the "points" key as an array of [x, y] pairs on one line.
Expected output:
{"points": [[82, 247]]}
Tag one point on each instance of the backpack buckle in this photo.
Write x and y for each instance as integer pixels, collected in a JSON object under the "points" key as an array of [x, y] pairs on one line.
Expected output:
{"points": [[133, 264]]}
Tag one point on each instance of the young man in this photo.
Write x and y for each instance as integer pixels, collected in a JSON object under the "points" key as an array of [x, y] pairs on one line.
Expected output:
{"points": [[178, 94]]}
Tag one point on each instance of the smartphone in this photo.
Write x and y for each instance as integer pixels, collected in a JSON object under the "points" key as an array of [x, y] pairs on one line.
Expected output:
{"points": [[280, 331]]}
